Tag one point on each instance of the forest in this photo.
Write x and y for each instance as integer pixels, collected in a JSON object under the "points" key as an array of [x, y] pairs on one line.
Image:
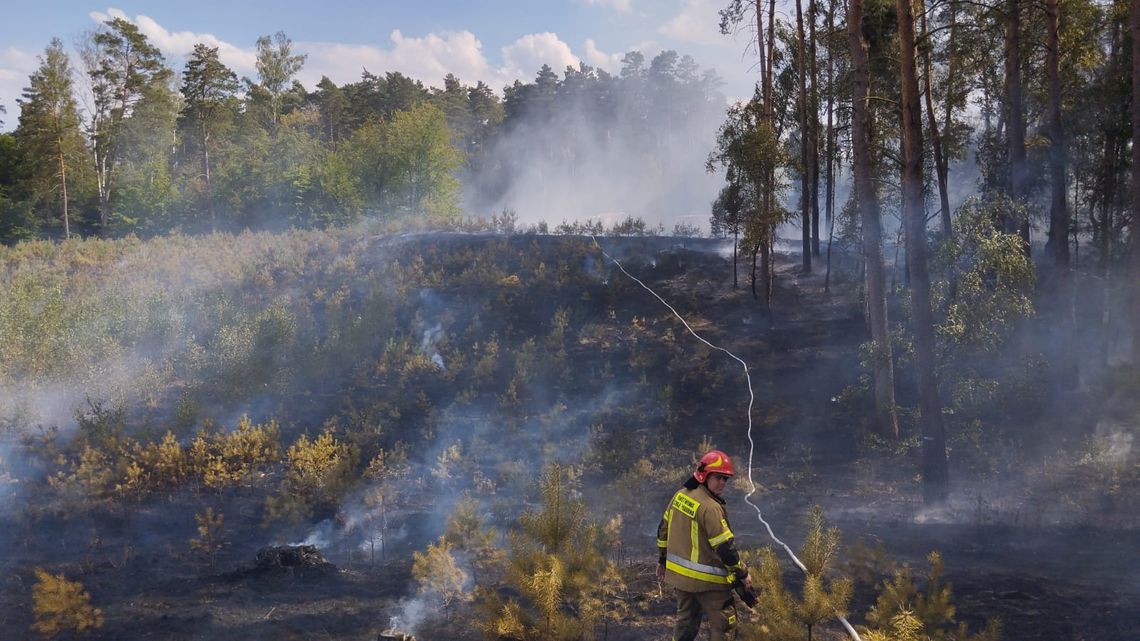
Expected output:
{"points": [[385, 360]]}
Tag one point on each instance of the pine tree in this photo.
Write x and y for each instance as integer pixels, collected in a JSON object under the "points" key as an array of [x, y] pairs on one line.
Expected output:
{"points": [[317, 473], [903, 612], [50, 136], [558, 565], [209, 94], [438, 574], [781, 615], [209, 539], [62, 606]]}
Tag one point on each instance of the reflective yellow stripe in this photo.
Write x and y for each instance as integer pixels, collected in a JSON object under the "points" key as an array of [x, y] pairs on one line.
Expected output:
{"points": [[696, 574], [720, 538], [662, 544], [695, 551], [685, 505]]}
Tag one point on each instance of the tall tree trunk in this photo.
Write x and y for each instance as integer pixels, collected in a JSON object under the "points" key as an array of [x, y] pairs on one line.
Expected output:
{"points": [[941, 166], [763, 54], [829, 146], [770, 108], [1058, 210], [1135, 20], [951, 76], [867, 204], [209, 182], [770, 270], [1063, 321], [813, 115], [735, 245], [1015, 119], [755, 251], [935, 473], [63, 185], [805, 135]]}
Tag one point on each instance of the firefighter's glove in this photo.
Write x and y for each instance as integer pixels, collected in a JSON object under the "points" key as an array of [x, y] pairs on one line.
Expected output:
{"points": [[743, 588]]}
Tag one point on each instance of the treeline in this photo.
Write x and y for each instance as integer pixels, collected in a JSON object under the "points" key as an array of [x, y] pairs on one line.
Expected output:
{"points": [[203, 150]]}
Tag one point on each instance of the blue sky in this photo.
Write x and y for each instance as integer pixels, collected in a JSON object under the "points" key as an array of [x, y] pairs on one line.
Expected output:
{"points": [[495, 41]]}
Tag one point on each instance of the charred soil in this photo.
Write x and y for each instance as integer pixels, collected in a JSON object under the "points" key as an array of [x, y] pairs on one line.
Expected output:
{"points": [[1045, 541]]}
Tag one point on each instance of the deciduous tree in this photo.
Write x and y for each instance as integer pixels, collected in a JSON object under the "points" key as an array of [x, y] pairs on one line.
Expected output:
{"points": [[122, 64], [276, 67]]}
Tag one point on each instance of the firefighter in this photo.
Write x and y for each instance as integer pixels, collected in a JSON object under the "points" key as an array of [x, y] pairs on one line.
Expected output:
{"points": [[697, 556]]}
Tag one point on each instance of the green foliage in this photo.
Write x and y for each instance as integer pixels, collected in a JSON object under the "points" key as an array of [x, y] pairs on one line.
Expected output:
{"points": [[749, 149], [780, 614], [50, 139], [209, 539], [276, 66], [407, 165], [903, 612], [104, 462], [558, 565], [438, 574], [62, 606], [994, 278], [317, 473]]}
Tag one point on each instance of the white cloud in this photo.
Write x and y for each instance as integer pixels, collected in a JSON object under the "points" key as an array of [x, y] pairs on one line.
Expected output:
{"points": [[595, 57], [697, 23], [16, 65], [428, 58], [525, 56], [625, 6], [181, 43]]}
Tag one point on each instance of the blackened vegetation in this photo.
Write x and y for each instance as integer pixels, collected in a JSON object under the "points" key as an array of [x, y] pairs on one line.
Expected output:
{"points": [[399, 389], [299, 559]]}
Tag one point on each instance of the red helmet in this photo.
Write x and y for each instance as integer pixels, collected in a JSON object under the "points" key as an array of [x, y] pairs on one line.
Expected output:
{"points": [[713, 462]]}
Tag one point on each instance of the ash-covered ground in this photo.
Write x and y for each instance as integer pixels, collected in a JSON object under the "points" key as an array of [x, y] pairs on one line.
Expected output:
{"points": [[1041, 530]]}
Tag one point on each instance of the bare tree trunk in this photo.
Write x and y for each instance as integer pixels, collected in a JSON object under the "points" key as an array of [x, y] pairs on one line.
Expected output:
{"points": [[735, 244], [813, 115], [755, 251], [769, 264], [805, 135], [1135, 20], [63, 186], [209, 182], [1015, 105], [867, 204], [1064, 323], [768, 75], [935, 473], [941, 167], [829, 153], [1058, 210], [951, 81]]}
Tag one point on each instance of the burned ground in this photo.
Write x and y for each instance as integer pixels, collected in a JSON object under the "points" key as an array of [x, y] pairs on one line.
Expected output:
{"points": [[1044, 539]]}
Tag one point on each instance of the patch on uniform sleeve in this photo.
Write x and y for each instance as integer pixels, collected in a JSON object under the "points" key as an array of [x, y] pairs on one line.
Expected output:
{"points": [[685, 505]]}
